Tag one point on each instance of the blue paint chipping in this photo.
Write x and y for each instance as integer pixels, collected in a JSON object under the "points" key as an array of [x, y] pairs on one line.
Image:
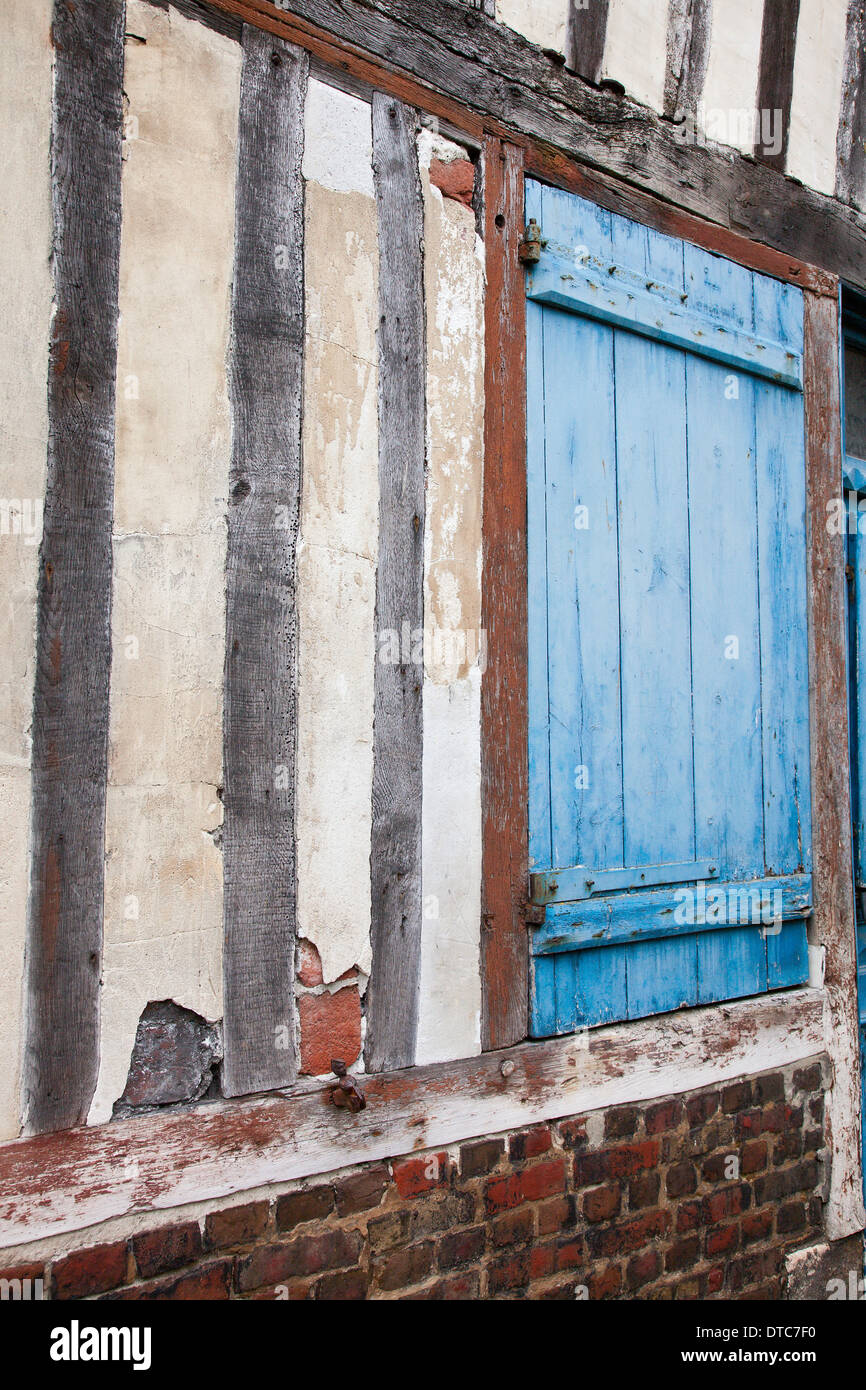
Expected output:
{"points": [[668, 665]]}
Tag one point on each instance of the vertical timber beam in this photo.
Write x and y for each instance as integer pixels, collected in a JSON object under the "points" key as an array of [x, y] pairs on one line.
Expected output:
{"points": [[776, 75], [833, 924], [395, 863], [851, 134], [585, 38], [266, 383], [504, 697], [73, 635], [688, 49]]}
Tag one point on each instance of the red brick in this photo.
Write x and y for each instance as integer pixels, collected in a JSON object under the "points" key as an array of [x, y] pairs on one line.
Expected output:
{"points": [[627, 1236], [722, 1239], [683, 1254], [702, 1108], [404, 1267], [602, 1203], [791, 1217], [556, 1215], [361, 1191], [736, 1097], [299, 1258], [208, 1283], [461, 1247], [572, 1134], [455, 178], [309, 964], [235, 1225], [330, 1027], [350, 1285], [415, 1176], [808, 1078], [457, 1289], [293, 1208], [621, 1122], [544, 1179], [729, 1201], [663, 1117], [569, 1253], [769, 1088], [172, 1247], [529, 1143], [690, 1215], [541, 1261], [682, 1180], [757, 1225], [749, 1124], [715, 1279], [480, 1158], [509, 1272], [92, 1271], [605, 1284], [515, 1228], [754, 1157], [643, 1268], [643, 1191], [778, 1119], [621, 1162]]}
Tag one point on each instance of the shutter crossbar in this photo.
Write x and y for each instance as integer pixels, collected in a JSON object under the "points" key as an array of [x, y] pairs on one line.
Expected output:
{"points": [[575, 884]]}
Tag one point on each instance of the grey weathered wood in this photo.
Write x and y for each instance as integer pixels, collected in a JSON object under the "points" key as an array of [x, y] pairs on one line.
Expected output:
{"points": [[222, 23], [73, 640], [688, 47], [392, 996], [851, 135], [499, 75], [776, 72], [266, 373], [585, 36]]}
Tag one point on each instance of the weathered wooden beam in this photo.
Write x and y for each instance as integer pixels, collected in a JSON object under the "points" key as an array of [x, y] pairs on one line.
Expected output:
{"points": [[266, 388], [776, 77], [504, 696], [851, 135], [833, 921], [456, 63], [73, 638], [162, 1161], [688, 48], [395, 862], [585, 38]]}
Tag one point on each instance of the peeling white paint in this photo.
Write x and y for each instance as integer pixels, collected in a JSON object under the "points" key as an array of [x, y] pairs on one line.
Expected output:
{"points": [[25, 312], [819, 60], [449, 1022], [338, 546], [731, 82], [163, 871], [635, 49], [541, 21]]}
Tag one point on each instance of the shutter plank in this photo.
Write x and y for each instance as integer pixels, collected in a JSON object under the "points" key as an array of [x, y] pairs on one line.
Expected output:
{"points": [[536, 533]]}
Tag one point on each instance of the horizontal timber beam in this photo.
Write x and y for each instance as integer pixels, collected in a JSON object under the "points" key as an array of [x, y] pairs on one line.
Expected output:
{"points": [[70, 1181], [458, 64]]}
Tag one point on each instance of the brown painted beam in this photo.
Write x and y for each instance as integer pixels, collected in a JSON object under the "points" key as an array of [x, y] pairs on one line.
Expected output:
{"points": [[504, 696]]}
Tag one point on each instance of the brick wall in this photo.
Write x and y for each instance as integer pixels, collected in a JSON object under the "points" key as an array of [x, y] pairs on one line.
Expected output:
{"points": [[696, 1196]]}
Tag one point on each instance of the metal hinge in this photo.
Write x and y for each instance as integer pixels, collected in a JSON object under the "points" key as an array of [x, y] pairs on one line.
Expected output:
{"points": [[530, 246]]}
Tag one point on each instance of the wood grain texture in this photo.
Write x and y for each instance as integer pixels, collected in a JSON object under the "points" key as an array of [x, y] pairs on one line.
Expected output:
{"points": [[504, 713], [851, 134], [73, 640], [229, 25], [833, 924], [776, 74], [265, 371], [458, 65], [688, 48], [395, 862], [585, 36], [162, 1161]]}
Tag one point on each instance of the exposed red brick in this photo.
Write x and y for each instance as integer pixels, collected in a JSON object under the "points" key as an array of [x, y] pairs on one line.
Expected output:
{"points": [[306, 1255], [699, 1109], [681, 1180], [529, 1143], [621, 1122], [481, 1157], [729, 1201], [569, 1253], [753, 1158], [556, 1215], [509, 1272], [293, 1208], [572, 1133], [455, 178], [415, 1176], [791, 1217], [757, 1225], [404, 1267], [515, 1228], [461, 1247], [769, 1088], [621, 1162], [171, 1247], [208, 1283], [627, 1236], [91, 1271], [722, 1239], [643, 1191], [236, 1225], [643, 1268], [309, 964], [668, 1115], [683, 1254], [690, 1215], [330, 1027], [715, 1279], [541, 1261], [602, 1203], [736, 1097], [605, 1284], [808, 1078], [349, 1284], [361, 1191], [544, 1179]]}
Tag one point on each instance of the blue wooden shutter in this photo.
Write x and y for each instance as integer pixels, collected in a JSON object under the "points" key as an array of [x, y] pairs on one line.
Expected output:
{"points": [[669, 740]]}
